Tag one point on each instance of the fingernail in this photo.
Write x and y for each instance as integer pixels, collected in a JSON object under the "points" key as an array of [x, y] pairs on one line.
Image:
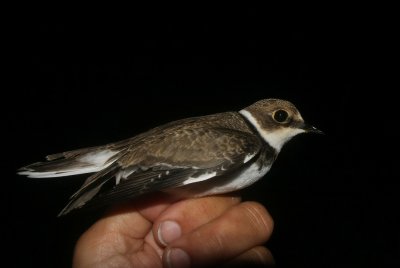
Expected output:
{"points": [[168, 231], [177, 258]]}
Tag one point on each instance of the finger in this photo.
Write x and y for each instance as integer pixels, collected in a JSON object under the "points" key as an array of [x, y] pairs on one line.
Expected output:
{"points": [[149, 206], [186, 215], [256, 257], [239, 229], [106, 239], [108, 235]]}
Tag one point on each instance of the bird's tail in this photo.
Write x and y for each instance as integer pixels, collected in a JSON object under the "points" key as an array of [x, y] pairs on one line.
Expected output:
{"points": [[81, 161], [90, 189]]}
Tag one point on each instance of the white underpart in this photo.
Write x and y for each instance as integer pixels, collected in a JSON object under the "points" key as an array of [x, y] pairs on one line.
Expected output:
{"points": [[276, 138], [245, 178], [279, 137], [202, 177], [97, 161]]}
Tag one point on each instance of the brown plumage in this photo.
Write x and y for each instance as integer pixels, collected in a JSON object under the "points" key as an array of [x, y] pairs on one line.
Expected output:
{"points": [[181, 155]]}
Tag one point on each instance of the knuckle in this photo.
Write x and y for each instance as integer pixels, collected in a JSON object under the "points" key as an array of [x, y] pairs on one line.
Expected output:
{"points": [[259, 218], [217, 243], [262, 255]]}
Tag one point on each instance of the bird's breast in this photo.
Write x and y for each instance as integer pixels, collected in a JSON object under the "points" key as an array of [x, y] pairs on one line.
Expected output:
{"points": [[242, 179]]}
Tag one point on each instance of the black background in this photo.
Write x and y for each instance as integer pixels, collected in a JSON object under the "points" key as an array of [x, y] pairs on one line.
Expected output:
{"points": [[333, 197]]}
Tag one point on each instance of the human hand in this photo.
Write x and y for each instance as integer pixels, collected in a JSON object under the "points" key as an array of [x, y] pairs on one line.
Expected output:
{"points": [[160, 232]]}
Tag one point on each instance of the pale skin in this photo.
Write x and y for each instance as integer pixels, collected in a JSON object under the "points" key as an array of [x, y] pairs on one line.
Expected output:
{"points": [[161, 232]]}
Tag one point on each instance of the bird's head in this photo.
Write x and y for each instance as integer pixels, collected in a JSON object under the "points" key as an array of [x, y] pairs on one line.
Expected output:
{"points": [[277, 121]]}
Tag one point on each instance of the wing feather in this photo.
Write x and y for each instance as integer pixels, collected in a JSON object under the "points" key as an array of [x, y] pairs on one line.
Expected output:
{"points": [[171, 162]]}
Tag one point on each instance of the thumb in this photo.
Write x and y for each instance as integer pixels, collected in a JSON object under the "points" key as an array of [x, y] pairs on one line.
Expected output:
{"points": [[238, 230]]}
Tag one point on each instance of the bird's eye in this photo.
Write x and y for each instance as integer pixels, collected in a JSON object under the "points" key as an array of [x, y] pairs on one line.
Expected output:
{"points": [[280, 116]]}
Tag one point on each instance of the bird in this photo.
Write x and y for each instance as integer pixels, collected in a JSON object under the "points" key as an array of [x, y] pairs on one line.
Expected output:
{"points": [[192, 157]]}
